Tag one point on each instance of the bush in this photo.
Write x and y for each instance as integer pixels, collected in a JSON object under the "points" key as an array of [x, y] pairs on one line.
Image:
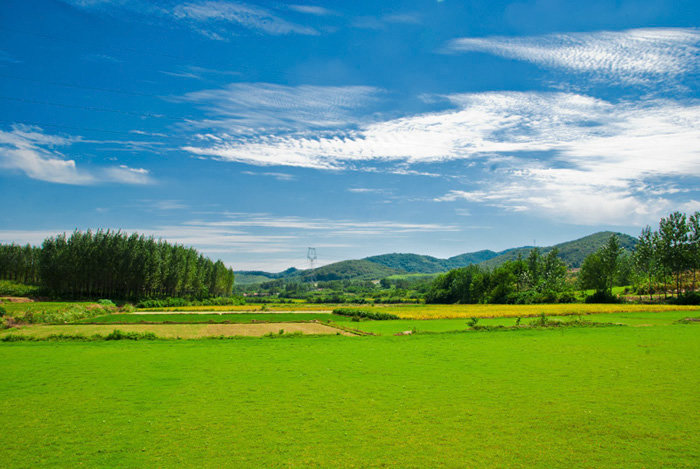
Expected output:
{"points": [[602, 297], [179, 302], [10, 288], [363, 313], [3, 311], [688, 298], [116, 334], [70, 314], [106, 303]]}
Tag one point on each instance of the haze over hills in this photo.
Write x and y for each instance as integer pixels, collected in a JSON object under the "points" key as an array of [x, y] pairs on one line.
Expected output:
{"points": [[377, 267]]}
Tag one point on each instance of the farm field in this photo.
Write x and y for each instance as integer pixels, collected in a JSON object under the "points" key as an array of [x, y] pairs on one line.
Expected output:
{"points": [[586, 397], [437, 311], [145, 318], [175, 331]]}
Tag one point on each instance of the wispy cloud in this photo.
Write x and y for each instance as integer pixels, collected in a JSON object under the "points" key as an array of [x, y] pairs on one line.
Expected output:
{"points": [[312, 10], [29, 150], [265, 106], [366, 190], [278, 176], [563, 154], [634, 56], [198, 73], [245, 239], [248, 16], [215, 19]]}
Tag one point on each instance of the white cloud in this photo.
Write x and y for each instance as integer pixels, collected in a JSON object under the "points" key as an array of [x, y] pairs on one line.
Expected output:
{"points": [[278, 176], [256, 107], [312, 10], [248, 16], [29, 150], [564, 153], [210, 18], [633, 56]]}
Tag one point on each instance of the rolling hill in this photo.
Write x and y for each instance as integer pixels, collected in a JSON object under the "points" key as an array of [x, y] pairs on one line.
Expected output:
{"points": [[381, 266]]}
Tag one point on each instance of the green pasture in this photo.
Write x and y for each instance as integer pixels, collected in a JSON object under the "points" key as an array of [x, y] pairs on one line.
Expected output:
{"points": [[587, 397]]}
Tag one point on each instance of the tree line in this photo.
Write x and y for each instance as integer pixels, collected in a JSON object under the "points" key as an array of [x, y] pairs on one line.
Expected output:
{"points": [[665, 260], [668, 258], [112, 264], [537, 279]]}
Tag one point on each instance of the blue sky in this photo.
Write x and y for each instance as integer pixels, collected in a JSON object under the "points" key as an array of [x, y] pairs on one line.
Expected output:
{"points": [[253, 130]]}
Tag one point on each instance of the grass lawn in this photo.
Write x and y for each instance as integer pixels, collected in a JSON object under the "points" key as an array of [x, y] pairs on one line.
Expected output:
{"points": [[591, 397]]}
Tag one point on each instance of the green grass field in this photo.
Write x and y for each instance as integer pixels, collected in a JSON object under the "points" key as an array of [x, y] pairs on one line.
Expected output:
{"points": [[591, 397]]}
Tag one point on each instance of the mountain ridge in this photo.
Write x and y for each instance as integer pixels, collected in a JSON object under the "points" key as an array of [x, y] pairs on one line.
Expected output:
{"points": [[383, 265]]}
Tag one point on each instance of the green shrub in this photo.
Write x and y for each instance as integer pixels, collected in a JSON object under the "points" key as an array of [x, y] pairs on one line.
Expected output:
{"points": [[363, 313], [688, 298], [106, 303], [603, 297], [10, 288], [116, 334]]}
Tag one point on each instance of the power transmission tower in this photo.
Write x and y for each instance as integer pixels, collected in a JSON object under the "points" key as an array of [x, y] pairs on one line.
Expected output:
{"points": [[311, 256]]}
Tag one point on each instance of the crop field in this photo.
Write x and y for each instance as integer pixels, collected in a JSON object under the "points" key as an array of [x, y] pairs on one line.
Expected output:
{"points": [[178, 331], [495, 311], [238, 318], [589, 397], [423, 311], [297, 306]]}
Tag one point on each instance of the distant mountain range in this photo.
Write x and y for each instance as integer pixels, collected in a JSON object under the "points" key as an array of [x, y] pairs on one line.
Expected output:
{"points": [[377, 267]]}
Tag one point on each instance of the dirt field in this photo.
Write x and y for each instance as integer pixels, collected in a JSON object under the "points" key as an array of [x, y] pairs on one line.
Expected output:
{"points": [[184, 331]]}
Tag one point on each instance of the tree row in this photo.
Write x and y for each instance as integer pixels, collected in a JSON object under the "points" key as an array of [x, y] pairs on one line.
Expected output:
{"points": [[115, 265]]}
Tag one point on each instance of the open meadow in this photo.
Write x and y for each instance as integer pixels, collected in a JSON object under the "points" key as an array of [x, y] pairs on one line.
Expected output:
{"points": [[571, 397]]}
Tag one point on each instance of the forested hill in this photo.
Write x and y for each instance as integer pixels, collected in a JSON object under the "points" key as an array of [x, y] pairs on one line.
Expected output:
{"points": [[378, 267], [571, 252], [415, 263]]}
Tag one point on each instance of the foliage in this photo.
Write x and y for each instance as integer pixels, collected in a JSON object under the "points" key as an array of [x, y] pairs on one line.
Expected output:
{"points": [[538, 279], [119, 335], [688, 298], [71, 313], [179, 302], [365, 314], [12, 288], [602, 296], [19, 264], [572, 253], [116, 265], [670, 253]]}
